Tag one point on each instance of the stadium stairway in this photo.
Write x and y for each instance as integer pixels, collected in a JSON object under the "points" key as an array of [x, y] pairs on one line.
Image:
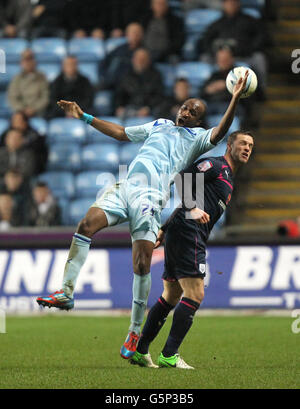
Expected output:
{"points": [[272, 191]]}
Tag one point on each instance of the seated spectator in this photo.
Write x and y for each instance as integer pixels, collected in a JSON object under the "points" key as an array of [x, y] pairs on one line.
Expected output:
{"points": [[239, 31], [140, 91], [15, 154], [70, 85], [6, 212], [118, 62], [164, 32], [196, 4], [17, 17], [124, 12], [28, 90], [169, 107], [17, 188], [33, 139], [47, 18], [44, 210]]}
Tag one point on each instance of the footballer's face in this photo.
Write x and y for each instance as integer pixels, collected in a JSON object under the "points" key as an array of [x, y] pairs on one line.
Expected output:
{"points": [[241, 148], [190, 113]]}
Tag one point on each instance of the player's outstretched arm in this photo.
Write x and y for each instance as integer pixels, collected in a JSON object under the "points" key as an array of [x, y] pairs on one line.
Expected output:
{"points": [[220, 131], [108, 128]]}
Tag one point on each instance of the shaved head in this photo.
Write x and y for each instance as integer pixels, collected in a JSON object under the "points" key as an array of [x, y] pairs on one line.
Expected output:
{"points": [[191, 113]]}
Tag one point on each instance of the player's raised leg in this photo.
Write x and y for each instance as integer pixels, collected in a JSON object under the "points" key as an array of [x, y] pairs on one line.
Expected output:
{"points": [[94, 221], [141, 256], [193, 294]]}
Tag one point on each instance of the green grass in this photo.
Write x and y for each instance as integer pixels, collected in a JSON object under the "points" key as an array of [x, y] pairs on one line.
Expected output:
{"points": [[53, 351]]}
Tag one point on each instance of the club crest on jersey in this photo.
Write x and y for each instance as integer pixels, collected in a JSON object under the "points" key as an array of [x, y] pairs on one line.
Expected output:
{"points": [[204, 166]]}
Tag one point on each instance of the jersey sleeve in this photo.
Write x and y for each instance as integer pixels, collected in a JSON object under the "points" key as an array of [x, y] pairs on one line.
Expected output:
{"points": [[203, 141], [139, 133]]}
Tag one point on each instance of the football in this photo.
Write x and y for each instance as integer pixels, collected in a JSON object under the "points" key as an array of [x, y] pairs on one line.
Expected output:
{"points": [[238, 72]]}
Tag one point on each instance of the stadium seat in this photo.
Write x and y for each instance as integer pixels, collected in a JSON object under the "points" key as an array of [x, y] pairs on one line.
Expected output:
{"points": [[258, 4], [4, 125], [78, 209], [87, 49], [167, 72], [64, 205], [103, 103], [94, 136], [90, 70], [5, 109], [135, 121], [64, 156], [49, 49], [93, 183], [255, 13], [128, 152], [104, 157], [197, 20], [50, 70], [213, 120], [195, 72], [39, 124], [13, 48], [112, 43], [66, 130], [62, 184], [189, 50], [11, 71]]}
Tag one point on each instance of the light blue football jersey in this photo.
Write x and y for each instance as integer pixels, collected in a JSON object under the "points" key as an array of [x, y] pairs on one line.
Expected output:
{"points": [[167, 149]]}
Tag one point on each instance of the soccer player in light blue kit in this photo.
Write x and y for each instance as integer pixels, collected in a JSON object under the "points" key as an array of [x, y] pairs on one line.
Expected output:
{"points": [[140, 197]]}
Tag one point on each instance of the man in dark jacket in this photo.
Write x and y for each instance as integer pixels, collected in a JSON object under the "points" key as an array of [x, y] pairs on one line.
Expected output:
{"points": [[72, 85], [140, 91], [164, 32]]}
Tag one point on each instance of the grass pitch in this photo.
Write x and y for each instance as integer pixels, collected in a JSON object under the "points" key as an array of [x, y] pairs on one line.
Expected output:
{"points": [[58, 351]]}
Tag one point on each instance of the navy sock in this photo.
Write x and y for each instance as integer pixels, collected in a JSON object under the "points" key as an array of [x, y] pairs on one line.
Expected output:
{"points": [[182, 322], [155, 320]]}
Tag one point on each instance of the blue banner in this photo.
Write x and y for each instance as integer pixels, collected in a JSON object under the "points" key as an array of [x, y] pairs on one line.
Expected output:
{"points": [[237, 277]]}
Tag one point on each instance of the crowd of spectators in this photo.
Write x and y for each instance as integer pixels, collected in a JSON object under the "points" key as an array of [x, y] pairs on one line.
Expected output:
{"points": [[155, 33]]}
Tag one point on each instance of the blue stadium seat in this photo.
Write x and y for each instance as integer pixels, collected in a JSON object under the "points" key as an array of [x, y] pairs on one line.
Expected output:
{"points": [[64, 156], [49, 49], [103, 103], [13, 48], [79, 208], [112, 43], [197, 21], [255, 13], [4, 125], [258, 4], [64, 205], [213, 120], [89, 70], [87, 49], [93, 183], [167, 72], [189, 50], [128, 152], [135, 121], [5, 109], [11, 71], [94, 136], [66, 130], [103, 157], [50, 70], [62, 184], [195, 72], [39, 124]]}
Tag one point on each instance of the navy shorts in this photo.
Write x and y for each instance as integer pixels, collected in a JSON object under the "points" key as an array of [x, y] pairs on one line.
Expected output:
{"points": [[185, 251]]}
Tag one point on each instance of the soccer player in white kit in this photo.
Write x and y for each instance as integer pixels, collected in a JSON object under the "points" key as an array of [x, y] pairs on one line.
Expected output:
{"points": [[140, 197]]}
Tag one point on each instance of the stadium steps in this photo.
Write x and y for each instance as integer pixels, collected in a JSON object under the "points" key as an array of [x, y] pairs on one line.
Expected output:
{"points": [[272, 192]]}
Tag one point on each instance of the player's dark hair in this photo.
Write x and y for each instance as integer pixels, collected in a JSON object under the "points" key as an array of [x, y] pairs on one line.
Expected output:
{"points": [[232, 137], [41, 184]]}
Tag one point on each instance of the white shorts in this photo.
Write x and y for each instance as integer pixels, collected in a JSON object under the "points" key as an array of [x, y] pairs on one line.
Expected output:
{"points": [[140, 205]]}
